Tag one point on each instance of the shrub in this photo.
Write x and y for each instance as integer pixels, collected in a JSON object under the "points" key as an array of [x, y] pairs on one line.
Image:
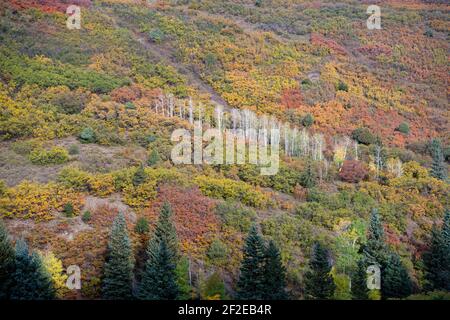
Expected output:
{"points": [[353, 171], [235, 215], [364, 136], [24, 148], [217, 251], [87, 135], [156, 35], [74, 149], [308, 120], [55, 155], [154, 158], [86, 217], [140, 196], [75, 178], [141, 226], [101, 185], [403, 128], [342, 86], [2, 188], [68, 210]]}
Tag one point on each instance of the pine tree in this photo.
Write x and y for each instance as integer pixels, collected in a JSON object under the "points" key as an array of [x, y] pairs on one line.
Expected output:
{"points": [[359, 282], [118, 270], [7, 260], [31, 279], [251, 284], [139, 176], [438, 169], [308, 176], [274, 274], [395, 280], [154, 158], [319, 282], [375, 250], [437, 258], [165, 230], [159, 277]]}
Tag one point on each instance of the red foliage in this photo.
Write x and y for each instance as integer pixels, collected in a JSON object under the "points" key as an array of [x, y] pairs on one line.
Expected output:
{"points": [[291, 98], [353, 171], [193, 215], [375, 50], [125, 94], [320, 40], [48, 5]]}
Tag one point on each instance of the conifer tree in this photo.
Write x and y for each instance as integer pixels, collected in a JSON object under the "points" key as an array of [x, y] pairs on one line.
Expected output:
{"points": [[375, 250], [274, 274], [159, 277], [139, 176], [438, 169], [395, 280], [31, 279], [319, 282], [251, 283], [153, 158], [308, 178], [165, 230], [437, 258], [118, 270], [359, 282], [7, 260]]}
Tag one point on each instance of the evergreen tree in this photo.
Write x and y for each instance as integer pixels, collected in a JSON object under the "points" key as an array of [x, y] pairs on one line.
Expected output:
{"points": [[154, 158], [6, 262], [437, 258], [438, 169], [183, 279], [165, 230], [159, 278], [319, 282], [274, 274], [395, 280], [31, 279], [251, 283], [375, 250], [118, 270], [308, 176], [139, 176], [359, 282]]}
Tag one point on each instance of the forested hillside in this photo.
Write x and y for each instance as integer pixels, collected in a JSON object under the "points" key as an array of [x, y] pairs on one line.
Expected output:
{"points": [[87, 178]]}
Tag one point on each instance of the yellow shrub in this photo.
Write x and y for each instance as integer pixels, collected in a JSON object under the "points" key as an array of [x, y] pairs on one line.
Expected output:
{"points": [[140, 195], [101, 184]]}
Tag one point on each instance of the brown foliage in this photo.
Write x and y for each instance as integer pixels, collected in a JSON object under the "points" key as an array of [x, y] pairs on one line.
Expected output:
{"points": [[353, 171]]}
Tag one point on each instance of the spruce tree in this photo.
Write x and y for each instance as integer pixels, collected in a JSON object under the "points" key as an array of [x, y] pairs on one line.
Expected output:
{"points": [[251, 283], [139, 176], [165, 230], [319, 282], [7, 260], [118, 270], [153, 158], [437, 258], [375, 250], [438, 169], [308, 176], [159, 278], [395, 280], [31, 279], [359, 282], [274, 274]]}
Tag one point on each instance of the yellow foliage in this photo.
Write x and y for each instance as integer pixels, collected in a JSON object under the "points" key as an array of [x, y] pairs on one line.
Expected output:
{"points": [[55, 268], [140, 195]]}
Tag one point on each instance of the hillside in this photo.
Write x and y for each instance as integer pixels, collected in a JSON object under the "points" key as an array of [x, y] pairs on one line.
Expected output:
{"points": [[363, 119]]}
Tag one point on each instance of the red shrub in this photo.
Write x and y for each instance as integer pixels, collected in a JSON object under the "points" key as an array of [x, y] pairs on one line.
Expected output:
{"points": [[353, 171]]}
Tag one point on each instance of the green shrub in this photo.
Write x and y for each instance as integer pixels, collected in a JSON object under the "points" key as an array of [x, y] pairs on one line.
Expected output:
{"points": [[141, 226], [156, 35], [364, 136], [74, 149], [308, 120], [86, 217], [2, 187], [403, 128], [217, 251], [87, 135], [68, 210], [342, 86], [24, 148], [55, 155], [235, 215]]}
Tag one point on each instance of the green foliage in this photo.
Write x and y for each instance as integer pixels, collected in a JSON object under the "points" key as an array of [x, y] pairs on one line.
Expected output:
{"points": [[213, 288], [165, 230], [251, 283], [396, 282], [437, 258], [159, 280], [68, 210], [375, 250], [87, 135], [235, 215], [217, 251], [154, 158], [55, 155], [74, 149], [438, 168], [359, 282], [308, 176], [319, 282], [274, 274], [342, 86], [86, 217], [139, 176], [342, 290], [403, 128], [364, 136], [7, 263], [31, 279], [118, 268], [2, 188], [308, 120], [183, 279], [142, 226]]}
